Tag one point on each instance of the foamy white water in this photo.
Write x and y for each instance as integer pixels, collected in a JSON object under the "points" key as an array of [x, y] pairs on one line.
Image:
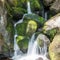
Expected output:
{"points": [[31, 44]]}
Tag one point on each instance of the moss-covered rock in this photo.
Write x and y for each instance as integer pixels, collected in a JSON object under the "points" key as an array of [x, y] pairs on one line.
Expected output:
{"points": [[23, 43], [54, 48], [25, 30], [30, 22], [51, 33]]}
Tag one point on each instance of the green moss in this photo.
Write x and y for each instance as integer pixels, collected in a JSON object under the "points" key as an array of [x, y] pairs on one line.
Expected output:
{"points": [[21, 28], [20, 38], [40, 20], [23, 44], [51, 33]]}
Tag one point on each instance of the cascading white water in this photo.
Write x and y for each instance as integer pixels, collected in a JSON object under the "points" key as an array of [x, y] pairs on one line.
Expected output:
{"points": [[34, 51], [17, 51], [31, 44], [29, 12], [28, 8], [16, 48], [34, 48]]}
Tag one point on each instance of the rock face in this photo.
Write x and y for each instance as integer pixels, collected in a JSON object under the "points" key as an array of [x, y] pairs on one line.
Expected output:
{"points": [[54, 22], [3, 31], [53, 4], [54, 48]]}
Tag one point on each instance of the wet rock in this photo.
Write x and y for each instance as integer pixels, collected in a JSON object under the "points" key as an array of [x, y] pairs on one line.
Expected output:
{"points": [[1, 43], [54, 48], [41, 38], [39, 58]]}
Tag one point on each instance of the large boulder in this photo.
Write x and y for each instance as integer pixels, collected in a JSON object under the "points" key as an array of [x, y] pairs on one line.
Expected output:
{"points": [[54, 48], [53, 22]]}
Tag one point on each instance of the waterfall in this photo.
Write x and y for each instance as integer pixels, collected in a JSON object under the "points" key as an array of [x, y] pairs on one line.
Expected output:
{"points": [[33, 50], [28, 8], [29, 12], [31, 44], [17, 51], [45, 15]]}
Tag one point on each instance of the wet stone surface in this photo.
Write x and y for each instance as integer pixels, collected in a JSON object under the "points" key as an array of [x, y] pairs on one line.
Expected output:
{"points": [[40, 58], [3, 57]]}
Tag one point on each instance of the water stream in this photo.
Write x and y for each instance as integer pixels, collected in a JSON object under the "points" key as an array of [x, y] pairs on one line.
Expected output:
{"points": [[28, 12], [45, 15], [33, 47]]}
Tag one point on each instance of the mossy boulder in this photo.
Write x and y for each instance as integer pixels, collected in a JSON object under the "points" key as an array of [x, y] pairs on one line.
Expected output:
{"points": [[52, 26], [30, 22], [54, 48], [22, 42], [51, 33], [27, 28]]}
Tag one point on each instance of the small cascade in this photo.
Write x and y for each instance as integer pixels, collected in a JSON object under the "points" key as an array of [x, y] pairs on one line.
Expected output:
{"points": [[45, 15], [29, 12], [17, 51], [33, 50], [28, 8], [31, 44], [43, 50]]}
